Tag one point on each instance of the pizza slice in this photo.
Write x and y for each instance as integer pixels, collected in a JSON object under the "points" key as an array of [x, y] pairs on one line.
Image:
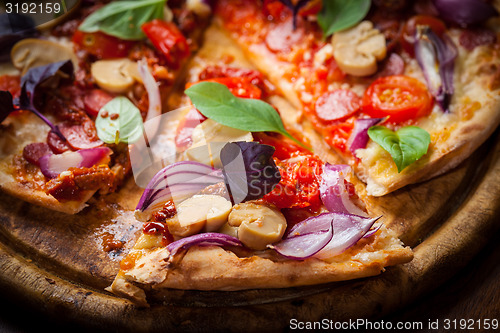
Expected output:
{"points": [[74, 97], [246, 206], [402, 91]]}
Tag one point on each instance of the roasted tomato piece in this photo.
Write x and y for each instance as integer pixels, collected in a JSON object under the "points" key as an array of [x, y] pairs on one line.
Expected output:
{"points": [[409, 29], [101, 45], [284, 147], [337, 104], [299, 184], [168, 40], [398, 97], [94, 100]]}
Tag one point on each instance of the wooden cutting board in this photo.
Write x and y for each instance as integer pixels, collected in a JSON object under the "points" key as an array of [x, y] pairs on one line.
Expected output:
{"points": [[56, 262]]}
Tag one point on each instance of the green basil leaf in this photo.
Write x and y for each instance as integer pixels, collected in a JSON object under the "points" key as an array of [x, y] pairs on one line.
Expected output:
{"points": [[406, 145], [123, 19], [215, 101], [337, 15], [122, 121]]}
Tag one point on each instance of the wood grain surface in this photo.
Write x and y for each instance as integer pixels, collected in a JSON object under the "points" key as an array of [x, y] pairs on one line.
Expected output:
{"points": [[56, 263]]}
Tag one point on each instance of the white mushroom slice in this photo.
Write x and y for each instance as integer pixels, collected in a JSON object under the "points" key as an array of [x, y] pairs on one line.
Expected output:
{"points": [[209, 138], [258, 225], [357, 50], [31, 52], [116, 75], [208, 212]]}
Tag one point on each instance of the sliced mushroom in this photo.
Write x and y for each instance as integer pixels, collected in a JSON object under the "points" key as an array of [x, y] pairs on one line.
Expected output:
{"points": [[115, 75], [208, 212], [258, 225], [358, 49], [209, 138], [32, 52]]}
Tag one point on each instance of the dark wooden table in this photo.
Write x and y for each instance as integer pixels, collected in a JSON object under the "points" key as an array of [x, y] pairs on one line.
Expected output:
{"points": [[473, 293]]}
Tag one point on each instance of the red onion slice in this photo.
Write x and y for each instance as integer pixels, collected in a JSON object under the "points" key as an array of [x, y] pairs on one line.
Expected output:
{"points": [[372, 232], [305, 245], [333, 191], [151, 86], [359, 136], [205, 239], [347, 231], [436, 57], [52, 165], [176, 182]]}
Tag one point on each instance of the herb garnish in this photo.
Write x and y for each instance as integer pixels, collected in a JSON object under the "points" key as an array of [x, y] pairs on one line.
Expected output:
{"points": [[406, 145]]}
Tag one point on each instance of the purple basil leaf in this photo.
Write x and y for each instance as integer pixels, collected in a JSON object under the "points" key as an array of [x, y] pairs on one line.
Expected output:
{"points": [[49, 75], [249, 170], [13, 28]]}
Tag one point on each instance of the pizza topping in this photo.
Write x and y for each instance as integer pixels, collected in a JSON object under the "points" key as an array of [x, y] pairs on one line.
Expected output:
{"points": [[154, 98], [406, 146], [81, 136], [335, 191], [123, 19], [337, 104], [30, 53], [436, 57], [357, 50], [205, 239], [465, 12], [116, 75], [359, 136], [393, 65], [408, 36], [75, 182], [199, 7], [169, 40], [126, 127], [216, 101], [94, 100], [299, 184], [304, 245], [339, 15], [400, 98], [178, 182], [258, 225], [197, 213], [101, 45], [52, 165], [49, 75], [209, 138], [184, 132], [34, 151], [348, 229]]}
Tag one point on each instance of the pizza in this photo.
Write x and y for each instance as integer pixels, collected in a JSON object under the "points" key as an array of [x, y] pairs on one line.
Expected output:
{"points": [[59, 149], [259, 130], [404, 65]]}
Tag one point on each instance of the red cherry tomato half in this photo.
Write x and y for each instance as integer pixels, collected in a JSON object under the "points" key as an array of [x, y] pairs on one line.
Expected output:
{"points": [[284, 147], [101, 45], [238, 86], [399, 97], [94, 100], [408, 35], [167, 39], [337, 104]]}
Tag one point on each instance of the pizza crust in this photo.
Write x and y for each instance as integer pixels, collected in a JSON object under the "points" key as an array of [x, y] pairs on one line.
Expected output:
{"points": [[18, 131]]}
